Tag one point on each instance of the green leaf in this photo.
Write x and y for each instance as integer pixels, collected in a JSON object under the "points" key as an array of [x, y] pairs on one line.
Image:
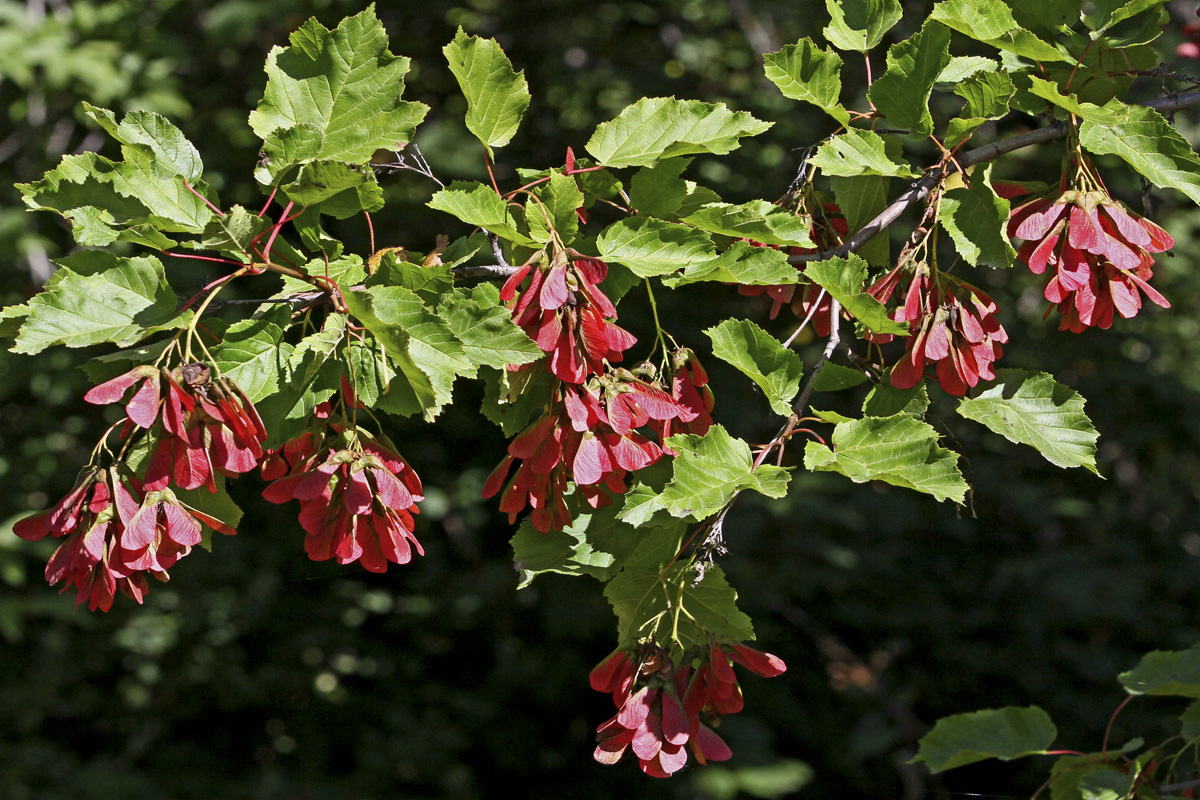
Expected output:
{"points": [[697, 197], [343, 189], [658, 191], [977, 219], [306, 381], [1032, 408], [106, 199], [215, 504], [313, 351], [486, 331], [370, 375], [430, 282], [743, 263], [758, 220], [992, 22], [987, 95], [96, 297], [861, 199], [884, 401], [496, 95], [250, 355], [559, 197], [860, 24], [1073, 776], [899, 450], [1003, 733], [512, 399], [232, 232], [960, 68], [1106, 784], [145, 131], [804, 72], [419, 342], [110, 365], [1107, 13], [1045, 15], [761, 358], [1109, 114], [858, 152], [1191, 721], [284, 148], [1165, 672], [651, 246], [710, 470], [844, 278], [656, 128], [835, 377], [479, 205], [344, 87], [654, 580], [902, 93], [596, 543], [1149, 144]]}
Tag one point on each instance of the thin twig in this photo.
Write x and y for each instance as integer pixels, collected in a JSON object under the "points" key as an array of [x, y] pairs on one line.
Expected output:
{"points": [[485, 271], [835, 336]]}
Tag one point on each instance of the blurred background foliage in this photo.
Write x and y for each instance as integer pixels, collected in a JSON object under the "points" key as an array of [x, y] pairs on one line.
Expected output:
{"points": [[259, 674]]}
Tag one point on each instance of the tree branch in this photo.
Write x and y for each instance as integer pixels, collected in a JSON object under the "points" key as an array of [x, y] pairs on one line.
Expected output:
{"points": [[919, 190]]}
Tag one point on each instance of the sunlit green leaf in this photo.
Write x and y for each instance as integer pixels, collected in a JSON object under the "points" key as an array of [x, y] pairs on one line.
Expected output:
{"points": [[742, 263], [899, 450], [860, 24], [991, 22], [655, 128], [638, 597], [803, 71], [249, 354], [497, 96], [479, 205], [344, 87], [1149, 144], [95, 297], [902, 93], [977, 219], [1032, 408], [844, 279], [651, 246], [486, 331], [759, 356], [757, 220], [553, 210], [711, 469], [859, 152]]}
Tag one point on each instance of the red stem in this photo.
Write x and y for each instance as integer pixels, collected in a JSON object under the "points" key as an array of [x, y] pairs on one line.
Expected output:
{"points": [[267, 204], [1111, 720], [204, 258], [266, 256], [211, 285], [204, 199], [488, 163]]}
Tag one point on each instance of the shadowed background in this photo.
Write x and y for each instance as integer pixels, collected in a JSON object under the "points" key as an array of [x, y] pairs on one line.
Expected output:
{"points": [[256, 673]]}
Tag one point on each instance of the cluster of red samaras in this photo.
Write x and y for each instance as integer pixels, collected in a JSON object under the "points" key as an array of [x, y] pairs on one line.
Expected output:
{"points": [[1098, 258], [589, 435], [660, 706], [120, 528], [357, 495]]}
